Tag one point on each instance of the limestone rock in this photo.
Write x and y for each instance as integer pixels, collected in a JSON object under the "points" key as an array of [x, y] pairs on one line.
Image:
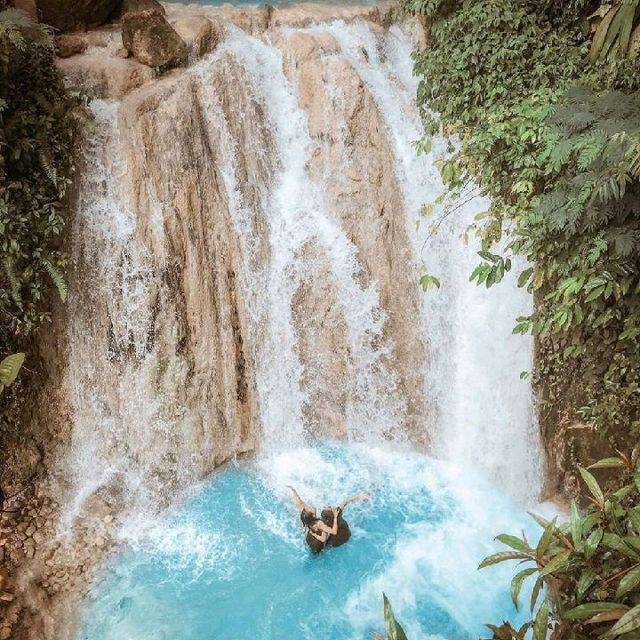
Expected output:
{"points": [[71, 15], [200, 34], [107, 77], [152, 40], [70, 45], [142, 6]]}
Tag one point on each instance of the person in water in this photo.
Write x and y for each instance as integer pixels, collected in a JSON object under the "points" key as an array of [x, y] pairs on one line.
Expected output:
{"points": [[330, 529]]}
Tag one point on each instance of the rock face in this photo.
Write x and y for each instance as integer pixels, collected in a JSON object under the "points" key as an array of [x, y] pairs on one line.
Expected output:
{"points": [[72, 15], [149, 37]]}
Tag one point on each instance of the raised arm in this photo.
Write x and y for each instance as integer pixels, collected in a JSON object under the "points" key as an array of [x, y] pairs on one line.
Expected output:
{"points": [[328, 530], [350, 499], [301, 504]]}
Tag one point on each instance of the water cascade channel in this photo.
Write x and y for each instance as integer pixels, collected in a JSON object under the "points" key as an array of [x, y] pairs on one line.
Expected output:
{"points": [[250, 240]]}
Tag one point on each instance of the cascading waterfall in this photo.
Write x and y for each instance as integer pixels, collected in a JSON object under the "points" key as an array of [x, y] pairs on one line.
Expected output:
{"points": [[321, 323]]}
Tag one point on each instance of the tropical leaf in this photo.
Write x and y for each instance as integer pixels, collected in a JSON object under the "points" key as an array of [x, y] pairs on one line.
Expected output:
{"points": [[628, 582], [630, 621], [517, 582], [586, 579], [541, 621], [514, 542], [592, 485], [394, 630], [607, 463], [502, 557], [576, 524], [584, 611], [10, 367], [546, 538], [555, 563]]}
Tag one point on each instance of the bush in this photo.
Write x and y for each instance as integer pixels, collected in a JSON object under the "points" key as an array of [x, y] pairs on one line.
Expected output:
{"points": [[586, 570], [553, 140], [37, 124]]}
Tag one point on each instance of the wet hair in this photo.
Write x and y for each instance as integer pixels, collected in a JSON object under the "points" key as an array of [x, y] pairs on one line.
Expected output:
{"points": [[327, 516], [308, 518]]}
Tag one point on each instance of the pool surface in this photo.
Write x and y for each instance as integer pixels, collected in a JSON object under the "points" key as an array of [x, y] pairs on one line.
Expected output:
{"points": [[230, 561]]}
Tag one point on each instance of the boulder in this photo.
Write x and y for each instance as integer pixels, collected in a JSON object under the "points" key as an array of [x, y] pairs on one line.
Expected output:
{"points": [[69, 45], [149, 37], [73, 15], [200, 34], [140, 6]]}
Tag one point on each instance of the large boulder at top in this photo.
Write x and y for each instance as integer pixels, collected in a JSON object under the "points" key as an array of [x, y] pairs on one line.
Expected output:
{"points": [[138, 6], [149, 37], [199, 34], [71, 15]]}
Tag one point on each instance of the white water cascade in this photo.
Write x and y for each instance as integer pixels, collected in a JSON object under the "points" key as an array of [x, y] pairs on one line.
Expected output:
{"points": [[303, 264]]}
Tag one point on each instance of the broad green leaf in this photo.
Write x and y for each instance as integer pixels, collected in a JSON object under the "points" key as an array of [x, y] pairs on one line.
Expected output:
{"points": [[514, 542], [607, 463], [576, 524], [592, 485], [543, 522], [584, 611], [614, 541], [586, 580], [502, 556], [536, 592], [394, 630], [555, 563], [545, 539], [607, 616], [630, 621], [524, 277], [634, 518], [541, 621], [10, 367], [516, 584], [628, 582]]}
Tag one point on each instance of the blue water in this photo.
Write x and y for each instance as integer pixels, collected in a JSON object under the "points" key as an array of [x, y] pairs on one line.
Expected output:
{"points": [[230, 561]]}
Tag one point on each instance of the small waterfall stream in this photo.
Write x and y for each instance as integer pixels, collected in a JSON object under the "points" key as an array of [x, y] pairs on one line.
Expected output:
{"points": [[250, 260]]}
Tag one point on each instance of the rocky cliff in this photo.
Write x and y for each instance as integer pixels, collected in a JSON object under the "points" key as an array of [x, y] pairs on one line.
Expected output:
{"points": [[151, 371]]}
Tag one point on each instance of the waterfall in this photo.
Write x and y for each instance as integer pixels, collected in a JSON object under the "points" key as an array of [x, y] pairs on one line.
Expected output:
{"points": [[249, 252]]}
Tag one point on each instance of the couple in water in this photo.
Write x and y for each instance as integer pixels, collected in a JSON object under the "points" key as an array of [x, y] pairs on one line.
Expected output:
{"points": [[328, 530]]}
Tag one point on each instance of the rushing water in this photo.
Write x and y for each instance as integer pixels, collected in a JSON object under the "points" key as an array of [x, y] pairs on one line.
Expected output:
{"points": [[228, 559], [230, 562]]}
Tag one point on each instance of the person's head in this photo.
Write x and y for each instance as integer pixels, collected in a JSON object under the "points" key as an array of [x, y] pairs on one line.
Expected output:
{"points": [[327, 516], [308, 518]]}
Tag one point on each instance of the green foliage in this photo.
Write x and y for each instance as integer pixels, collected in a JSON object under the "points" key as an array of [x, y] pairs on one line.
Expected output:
{"points": [[37, 123], [9, 369], [587, 570], [554, 141], [393, 627]]}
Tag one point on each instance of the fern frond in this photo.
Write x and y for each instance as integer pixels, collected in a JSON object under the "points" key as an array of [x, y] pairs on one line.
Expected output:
{"points": [[47, 165], [58, 279], [14, 283]]}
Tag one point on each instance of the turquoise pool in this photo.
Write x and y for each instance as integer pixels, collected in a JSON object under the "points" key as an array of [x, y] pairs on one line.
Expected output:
{"points": [[230, 561]]}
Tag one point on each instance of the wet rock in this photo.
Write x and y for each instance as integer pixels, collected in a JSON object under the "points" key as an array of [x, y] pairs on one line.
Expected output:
{"points": [[70, 45], [74, 15], [107, 77], [200, 34], [142, 6], [152, 41]]}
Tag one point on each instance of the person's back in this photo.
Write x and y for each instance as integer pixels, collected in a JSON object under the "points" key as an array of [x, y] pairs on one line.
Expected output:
{"points": [[343, 534]]}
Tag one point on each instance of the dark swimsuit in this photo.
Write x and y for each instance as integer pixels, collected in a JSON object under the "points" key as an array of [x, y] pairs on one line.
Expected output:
{"points": [[342, 535]]}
